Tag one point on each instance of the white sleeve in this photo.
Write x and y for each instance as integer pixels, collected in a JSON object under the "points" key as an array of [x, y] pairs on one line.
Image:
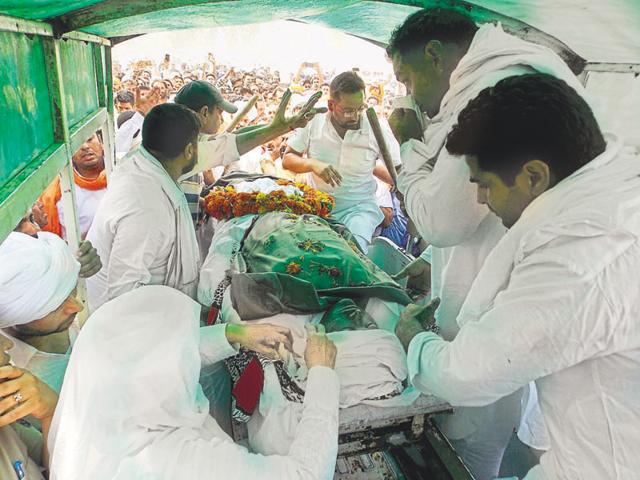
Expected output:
{"points": [[440, 200], [126, 132], [312, 455], [214, 152], [214, 345], [299, 140], [550, 317]]}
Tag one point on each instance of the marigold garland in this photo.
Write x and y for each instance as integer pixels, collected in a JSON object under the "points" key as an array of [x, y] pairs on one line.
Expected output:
{"points": [[223, 203]]}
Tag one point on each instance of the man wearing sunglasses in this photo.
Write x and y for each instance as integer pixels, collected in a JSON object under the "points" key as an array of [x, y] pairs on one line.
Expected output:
{"points": [[341, 156]]}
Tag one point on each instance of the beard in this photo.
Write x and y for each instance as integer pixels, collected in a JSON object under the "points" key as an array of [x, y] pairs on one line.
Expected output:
{"points": [[348, 124], [190, 166]]}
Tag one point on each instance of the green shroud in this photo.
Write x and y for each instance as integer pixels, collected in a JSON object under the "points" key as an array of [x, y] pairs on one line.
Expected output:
{"points": [[304, 264]]}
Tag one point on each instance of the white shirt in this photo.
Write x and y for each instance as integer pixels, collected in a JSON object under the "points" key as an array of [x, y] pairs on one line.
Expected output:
{"points": [[87, 202], [557, 302], [213, 151], [383, 194], [354, 157], [135, 230], [443, 203], [438, 195]]}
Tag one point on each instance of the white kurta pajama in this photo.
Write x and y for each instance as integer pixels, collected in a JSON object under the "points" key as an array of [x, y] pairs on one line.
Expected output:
{"points": [[443, 204], [354, 157], [557, 302], [143, 230], [131, 406]]}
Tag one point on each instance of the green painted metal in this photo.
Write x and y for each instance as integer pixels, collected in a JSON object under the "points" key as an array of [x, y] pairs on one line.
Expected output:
{"points": [[101, 83], [15, 24], [87, 127], [25, 112], [375, 20], [85, 37], [22, 190], [109, 138], [116, 9], [41, 9], [55, 59], [79, 78], [216, 14]]}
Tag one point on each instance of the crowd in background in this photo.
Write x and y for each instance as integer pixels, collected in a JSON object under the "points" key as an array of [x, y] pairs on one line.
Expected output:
{"points": [[238, 86]]}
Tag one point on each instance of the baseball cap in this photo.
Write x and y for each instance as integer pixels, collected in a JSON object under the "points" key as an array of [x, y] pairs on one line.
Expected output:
{"points": [[199, 93]]}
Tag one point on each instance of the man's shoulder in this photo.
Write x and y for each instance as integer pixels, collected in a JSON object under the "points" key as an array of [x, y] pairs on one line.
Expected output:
{"points": [[134, 192]]}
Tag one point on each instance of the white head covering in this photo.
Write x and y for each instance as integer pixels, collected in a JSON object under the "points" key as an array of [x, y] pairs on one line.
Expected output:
{"points": [[36, 277], [131, 397]]}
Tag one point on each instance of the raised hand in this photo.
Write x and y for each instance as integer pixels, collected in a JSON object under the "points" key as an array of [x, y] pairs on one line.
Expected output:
{"points": [[300, 120], [145, 104]]}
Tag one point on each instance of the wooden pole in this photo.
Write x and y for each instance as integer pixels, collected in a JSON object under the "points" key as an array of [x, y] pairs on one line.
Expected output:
{"points": [[382, 145], [241, 114]]}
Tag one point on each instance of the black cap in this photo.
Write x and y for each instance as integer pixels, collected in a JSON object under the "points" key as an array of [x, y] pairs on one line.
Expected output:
{"points": [[199, 93]]}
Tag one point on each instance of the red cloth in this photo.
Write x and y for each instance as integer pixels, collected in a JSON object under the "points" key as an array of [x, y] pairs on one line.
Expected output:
{"points": [[248, 387]]}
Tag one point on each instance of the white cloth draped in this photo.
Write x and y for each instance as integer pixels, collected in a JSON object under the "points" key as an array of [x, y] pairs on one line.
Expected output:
{"points": [[370, 364], [556, 302], [131, 406], [36, 277]]}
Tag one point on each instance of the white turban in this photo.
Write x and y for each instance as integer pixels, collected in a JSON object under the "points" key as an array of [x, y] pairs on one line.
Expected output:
{"points": [[36, 277]]}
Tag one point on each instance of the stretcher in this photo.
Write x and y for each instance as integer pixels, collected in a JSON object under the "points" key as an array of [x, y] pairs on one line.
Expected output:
{"points": [[409, 435]]}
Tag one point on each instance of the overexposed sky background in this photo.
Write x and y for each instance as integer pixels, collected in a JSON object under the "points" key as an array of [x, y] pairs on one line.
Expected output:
{"points": [[282, 45]]}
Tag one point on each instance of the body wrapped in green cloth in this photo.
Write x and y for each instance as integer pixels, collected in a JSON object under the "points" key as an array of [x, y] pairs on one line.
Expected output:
{"points": [[303, 264]]}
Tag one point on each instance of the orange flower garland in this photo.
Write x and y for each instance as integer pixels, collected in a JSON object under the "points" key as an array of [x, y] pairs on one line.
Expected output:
{"points": [[223, 203]]}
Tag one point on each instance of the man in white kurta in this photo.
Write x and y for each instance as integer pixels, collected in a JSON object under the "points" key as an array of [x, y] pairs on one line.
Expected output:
{"points": [[555, 301], [342, 157], [437, 195], [142, 414], [143, 230]]}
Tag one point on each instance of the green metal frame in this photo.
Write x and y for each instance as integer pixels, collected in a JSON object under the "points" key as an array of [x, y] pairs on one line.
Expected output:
{"points": [[19, 193], [115, 9]]}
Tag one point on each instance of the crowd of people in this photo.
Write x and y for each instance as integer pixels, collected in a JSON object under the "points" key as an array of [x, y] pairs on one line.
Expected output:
{"points": [[529, 208], [134, 85]]}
